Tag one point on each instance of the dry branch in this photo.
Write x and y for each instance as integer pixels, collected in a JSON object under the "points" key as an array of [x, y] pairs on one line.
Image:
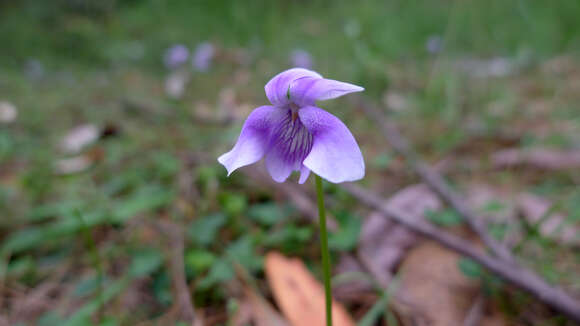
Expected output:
{"points": [[516, 275], [511, 272], [184, 306], [435, 181]]}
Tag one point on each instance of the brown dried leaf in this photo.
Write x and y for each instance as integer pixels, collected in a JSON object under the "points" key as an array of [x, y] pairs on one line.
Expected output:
{"points": [[541, 158], [433, 287], [383, 242], [298, 293], [243, 315], [354, 290], [262, 311], [534, 209]]}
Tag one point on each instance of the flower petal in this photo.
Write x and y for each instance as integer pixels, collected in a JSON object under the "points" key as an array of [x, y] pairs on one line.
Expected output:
{"points": [[253, 141], [290, 142], [277, 166], [277, 87], [304, 173], [335, 155], [306, 91]]}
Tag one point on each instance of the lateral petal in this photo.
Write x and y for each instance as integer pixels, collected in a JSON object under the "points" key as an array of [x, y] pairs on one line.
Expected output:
{"points": [[254, 138], [335, 154]]}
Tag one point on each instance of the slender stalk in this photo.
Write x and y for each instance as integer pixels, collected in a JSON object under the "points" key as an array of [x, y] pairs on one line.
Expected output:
{"points": [[324, 249]]}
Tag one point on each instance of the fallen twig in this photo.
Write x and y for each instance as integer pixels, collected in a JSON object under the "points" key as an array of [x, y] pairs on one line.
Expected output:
{"points": [[184, 306], [436, 182], [511, 272]]}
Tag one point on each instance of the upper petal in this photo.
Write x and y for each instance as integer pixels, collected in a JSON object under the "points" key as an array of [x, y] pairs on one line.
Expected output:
{"points": [[306, 91], [277, 87], [335, 154], [253, 140]]}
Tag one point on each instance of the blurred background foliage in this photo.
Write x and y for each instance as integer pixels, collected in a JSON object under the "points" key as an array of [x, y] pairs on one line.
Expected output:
{"points": [[457, 76]]}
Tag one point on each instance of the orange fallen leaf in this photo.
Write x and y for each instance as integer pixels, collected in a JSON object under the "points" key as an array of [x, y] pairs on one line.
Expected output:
{"points": [[299, 295]]}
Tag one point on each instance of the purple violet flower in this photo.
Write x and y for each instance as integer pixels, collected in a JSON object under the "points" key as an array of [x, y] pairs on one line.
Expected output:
{"points": [[301, 58], [175, 56], [294, 135], [203, 56]]}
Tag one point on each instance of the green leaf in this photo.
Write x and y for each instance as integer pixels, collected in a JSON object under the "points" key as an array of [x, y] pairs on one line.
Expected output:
{"points": [[144, 200], [86, 286], [166, 165], [445, 218], [162, 288], [109, 321], [18, 267], [242, 251], [50, 318], [470, 268], [82, 316], [498, 231], [220, 272], [383, 160], [203, 231], [373, 314], [199, 260], [24, 239], [208, 174], [266, 214], [494, 206], [289, 237], [346, 237], [65, 207], [145, 262], [233, 204]]}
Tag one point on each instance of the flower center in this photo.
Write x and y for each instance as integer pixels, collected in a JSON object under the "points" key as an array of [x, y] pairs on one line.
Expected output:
{"points": [[291, 140], [294, 108]]}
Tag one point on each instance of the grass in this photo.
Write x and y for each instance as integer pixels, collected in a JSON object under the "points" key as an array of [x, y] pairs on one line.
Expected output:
{"points": [[101, 63]]}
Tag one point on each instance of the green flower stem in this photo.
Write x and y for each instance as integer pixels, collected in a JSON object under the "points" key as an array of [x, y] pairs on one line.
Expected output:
{"points": [[324, 248]]}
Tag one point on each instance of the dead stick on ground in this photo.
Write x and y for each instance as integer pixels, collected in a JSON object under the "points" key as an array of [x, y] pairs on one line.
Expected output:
{"points": [[177, 268], [435, 181], [516, 275]]}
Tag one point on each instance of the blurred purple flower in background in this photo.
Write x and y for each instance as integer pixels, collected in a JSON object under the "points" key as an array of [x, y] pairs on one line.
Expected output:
{"points": [[175, 56], [301, 58], [203, 56], [294, 135], [434, 44]]}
